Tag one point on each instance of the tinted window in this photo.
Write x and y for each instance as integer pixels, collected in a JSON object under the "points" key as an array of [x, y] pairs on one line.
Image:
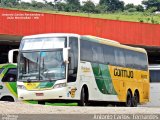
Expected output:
{"points": [[92, 52], [108, 52], [10, 76], [86, 51], [129, 59], [136, 60], [155, 76], [97, 53], [119, 57]]}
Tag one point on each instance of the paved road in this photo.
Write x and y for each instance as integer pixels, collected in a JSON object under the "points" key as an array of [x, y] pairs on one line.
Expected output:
{"points": [[24, 111]]}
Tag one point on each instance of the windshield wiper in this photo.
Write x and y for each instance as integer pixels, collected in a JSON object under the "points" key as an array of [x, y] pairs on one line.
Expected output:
{"points": [[28, 80]]}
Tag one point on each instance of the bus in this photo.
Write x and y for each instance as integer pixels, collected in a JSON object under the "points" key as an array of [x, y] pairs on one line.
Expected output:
{"points": [[154, 85], [81, 68], [8, 78]]}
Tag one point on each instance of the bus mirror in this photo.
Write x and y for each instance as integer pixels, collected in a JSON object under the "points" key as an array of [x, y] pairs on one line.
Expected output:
{"points": [[12, 55], [65, 55]]}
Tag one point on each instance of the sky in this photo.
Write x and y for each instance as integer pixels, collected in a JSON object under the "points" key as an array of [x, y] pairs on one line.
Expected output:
{"points": [[136, 2]]}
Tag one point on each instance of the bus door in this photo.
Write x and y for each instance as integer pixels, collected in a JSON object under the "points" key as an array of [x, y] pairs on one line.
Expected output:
{"points": [[72, 66]]}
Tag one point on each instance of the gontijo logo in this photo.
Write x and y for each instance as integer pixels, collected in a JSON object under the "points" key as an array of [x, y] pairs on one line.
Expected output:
{"points": [[85, 69], [123, 73]]}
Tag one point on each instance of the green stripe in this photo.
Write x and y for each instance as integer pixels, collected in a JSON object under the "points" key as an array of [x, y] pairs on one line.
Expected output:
{"points": [[103, 78], [13, 86]]}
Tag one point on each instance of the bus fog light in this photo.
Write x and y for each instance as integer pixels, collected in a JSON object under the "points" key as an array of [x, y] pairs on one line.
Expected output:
{"points": [[21, 87], [60, 85]]}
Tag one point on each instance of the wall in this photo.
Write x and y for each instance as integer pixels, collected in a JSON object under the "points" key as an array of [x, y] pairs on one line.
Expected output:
{"points": [[15, 22]]}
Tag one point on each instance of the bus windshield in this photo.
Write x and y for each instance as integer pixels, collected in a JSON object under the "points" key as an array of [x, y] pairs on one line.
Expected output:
{"points": [[42, 65]]}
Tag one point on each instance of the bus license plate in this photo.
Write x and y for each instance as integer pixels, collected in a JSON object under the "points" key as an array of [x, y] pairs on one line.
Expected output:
{"points": [[39, 94]]}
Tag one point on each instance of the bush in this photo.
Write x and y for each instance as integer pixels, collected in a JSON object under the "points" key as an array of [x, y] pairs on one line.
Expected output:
{"points": [[132, 10]]}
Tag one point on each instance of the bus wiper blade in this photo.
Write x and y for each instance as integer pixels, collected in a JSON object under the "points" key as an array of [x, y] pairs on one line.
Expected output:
{"points": [[28, 80]]}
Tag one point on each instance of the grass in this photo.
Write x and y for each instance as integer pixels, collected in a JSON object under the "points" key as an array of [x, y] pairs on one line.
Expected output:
{"points": [[122, 16], [53, 104]]}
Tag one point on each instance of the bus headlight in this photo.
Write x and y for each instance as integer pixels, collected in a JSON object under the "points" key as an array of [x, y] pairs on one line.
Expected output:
{"points": [[21, 87], [60, 85]]}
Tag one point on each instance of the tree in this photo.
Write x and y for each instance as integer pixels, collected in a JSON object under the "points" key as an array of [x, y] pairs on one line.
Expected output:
{"points": [[60, 6], [37, 5], [10, 3], [100, 8], [112, 5], [139, 8], [88, 7], [152, 3], [129, 6], [72, 5], [25, 5]]}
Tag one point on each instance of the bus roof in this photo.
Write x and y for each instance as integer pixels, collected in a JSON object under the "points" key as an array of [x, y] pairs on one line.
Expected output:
{"points": [[113, 43], [50, 35], [92, 38]]}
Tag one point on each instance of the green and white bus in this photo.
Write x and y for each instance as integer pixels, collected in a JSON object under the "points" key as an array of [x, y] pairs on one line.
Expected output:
{"points": [[85, 69], [8, 78]]}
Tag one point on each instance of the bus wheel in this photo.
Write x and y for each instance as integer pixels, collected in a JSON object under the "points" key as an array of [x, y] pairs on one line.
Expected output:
{"points": [[7, 98], [135, 100], [41, 102], [128, 100], [83, 100]]}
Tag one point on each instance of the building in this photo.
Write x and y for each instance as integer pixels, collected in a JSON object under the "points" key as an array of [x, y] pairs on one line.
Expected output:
{"points": [[14, 24]]}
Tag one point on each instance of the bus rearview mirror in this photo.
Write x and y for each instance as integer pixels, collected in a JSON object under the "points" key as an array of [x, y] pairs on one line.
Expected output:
{"points": [[65, 55]]}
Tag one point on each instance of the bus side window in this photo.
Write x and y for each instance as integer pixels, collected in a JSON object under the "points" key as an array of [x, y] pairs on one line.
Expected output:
{"points": [[73, 59], [10, 76]]}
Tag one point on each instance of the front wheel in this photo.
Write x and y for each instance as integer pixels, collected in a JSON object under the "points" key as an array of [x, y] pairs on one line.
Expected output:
{"points": [[9, 99], [83, 100]]}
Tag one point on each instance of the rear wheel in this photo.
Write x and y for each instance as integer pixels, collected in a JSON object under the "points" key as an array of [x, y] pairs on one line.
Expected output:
{"points": [[128, 102], [135, 100], [84, 98]]}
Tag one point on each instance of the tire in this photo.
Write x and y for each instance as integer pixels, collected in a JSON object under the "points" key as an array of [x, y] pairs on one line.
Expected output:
{"points": [[41, 102], [135, 100], [83, 101], [128, 102], [10, 99]]}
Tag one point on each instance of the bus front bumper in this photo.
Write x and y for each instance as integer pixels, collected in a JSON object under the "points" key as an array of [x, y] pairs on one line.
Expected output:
{"points": [[58, 93]]}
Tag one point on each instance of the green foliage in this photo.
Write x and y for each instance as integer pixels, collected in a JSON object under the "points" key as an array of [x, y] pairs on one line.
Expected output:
{"points": [[60, 6], [139, 8], [101, 8], [129, 6], [112, 5], [106, 9], [132, 10], [152, 3], [88, 7], [151, 9], [72, 5], [9, 3]]}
